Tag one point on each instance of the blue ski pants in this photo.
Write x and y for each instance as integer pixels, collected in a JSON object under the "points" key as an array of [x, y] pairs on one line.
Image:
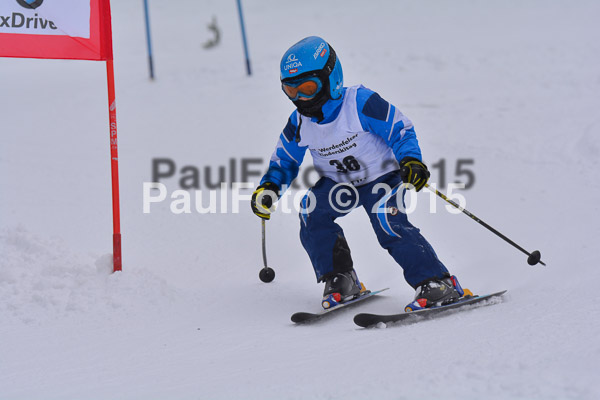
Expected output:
{"points": [[383, 200]]}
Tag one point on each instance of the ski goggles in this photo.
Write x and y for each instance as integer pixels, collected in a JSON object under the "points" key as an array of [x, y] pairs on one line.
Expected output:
{"points": [[305, 88]]}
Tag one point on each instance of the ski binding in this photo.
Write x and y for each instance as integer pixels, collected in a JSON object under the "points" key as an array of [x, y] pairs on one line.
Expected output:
{"points": [[304, 317]]}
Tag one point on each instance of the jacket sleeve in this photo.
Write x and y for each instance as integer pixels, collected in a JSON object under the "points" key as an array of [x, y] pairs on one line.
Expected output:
{"points": [[386, 121], [287, 157]]}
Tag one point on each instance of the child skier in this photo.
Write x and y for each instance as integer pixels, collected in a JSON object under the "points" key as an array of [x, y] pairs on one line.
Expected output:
{"points": [[364, 146]]}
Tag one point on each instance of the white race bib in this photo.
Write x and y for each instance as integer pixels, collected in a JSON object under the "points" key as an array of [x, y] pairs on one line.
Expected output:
{"points": [[343, 151]]}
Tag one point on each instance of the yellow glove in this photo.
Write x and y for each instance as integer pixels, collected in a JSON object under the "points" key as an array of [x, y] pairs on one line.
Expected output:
{"points": [[263, 198], [414, 172]]}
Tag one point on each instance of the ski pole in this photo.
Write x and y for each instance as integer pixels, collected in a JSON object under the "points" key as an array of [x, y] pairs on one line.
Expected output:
{"points": [[266, 274], [533, 258]]}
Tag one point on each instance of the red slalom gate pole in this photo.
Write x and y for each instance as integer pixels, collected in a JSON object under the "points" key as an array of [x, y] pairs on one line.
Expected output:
{"points": [[114, 166]]}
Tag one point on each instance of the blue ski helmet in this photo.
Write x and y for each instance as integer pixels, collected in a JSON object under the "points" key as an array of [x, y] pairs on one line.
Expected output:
{"points": [[313, 57]]}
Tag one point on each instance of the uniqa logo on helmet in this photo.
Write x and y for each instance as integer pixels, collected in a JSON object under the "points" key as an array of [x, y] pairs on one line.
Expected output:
{"points": [[32, 4], [294, 64]]}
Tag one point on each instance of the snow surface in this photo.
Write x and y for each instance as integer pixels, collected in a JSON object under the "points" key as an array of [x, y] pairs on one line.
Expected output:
{"points": [[511, 84]]}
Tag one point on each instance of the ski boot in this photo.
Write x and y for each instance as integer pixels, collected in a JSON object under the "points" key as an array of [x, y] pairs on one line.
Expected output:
{"points": [[342, 287], [437, 292]]}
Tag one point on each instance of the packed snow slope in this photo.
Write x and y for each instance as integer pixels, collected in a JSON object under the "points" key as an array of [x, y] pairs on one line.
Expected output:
{"points": [[512, 85]]}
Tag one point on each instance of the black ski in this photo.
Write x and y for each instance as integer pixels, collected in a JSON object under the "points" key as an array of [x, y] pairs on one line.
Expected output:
{"points": [[304, 317], [365, 320]]}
